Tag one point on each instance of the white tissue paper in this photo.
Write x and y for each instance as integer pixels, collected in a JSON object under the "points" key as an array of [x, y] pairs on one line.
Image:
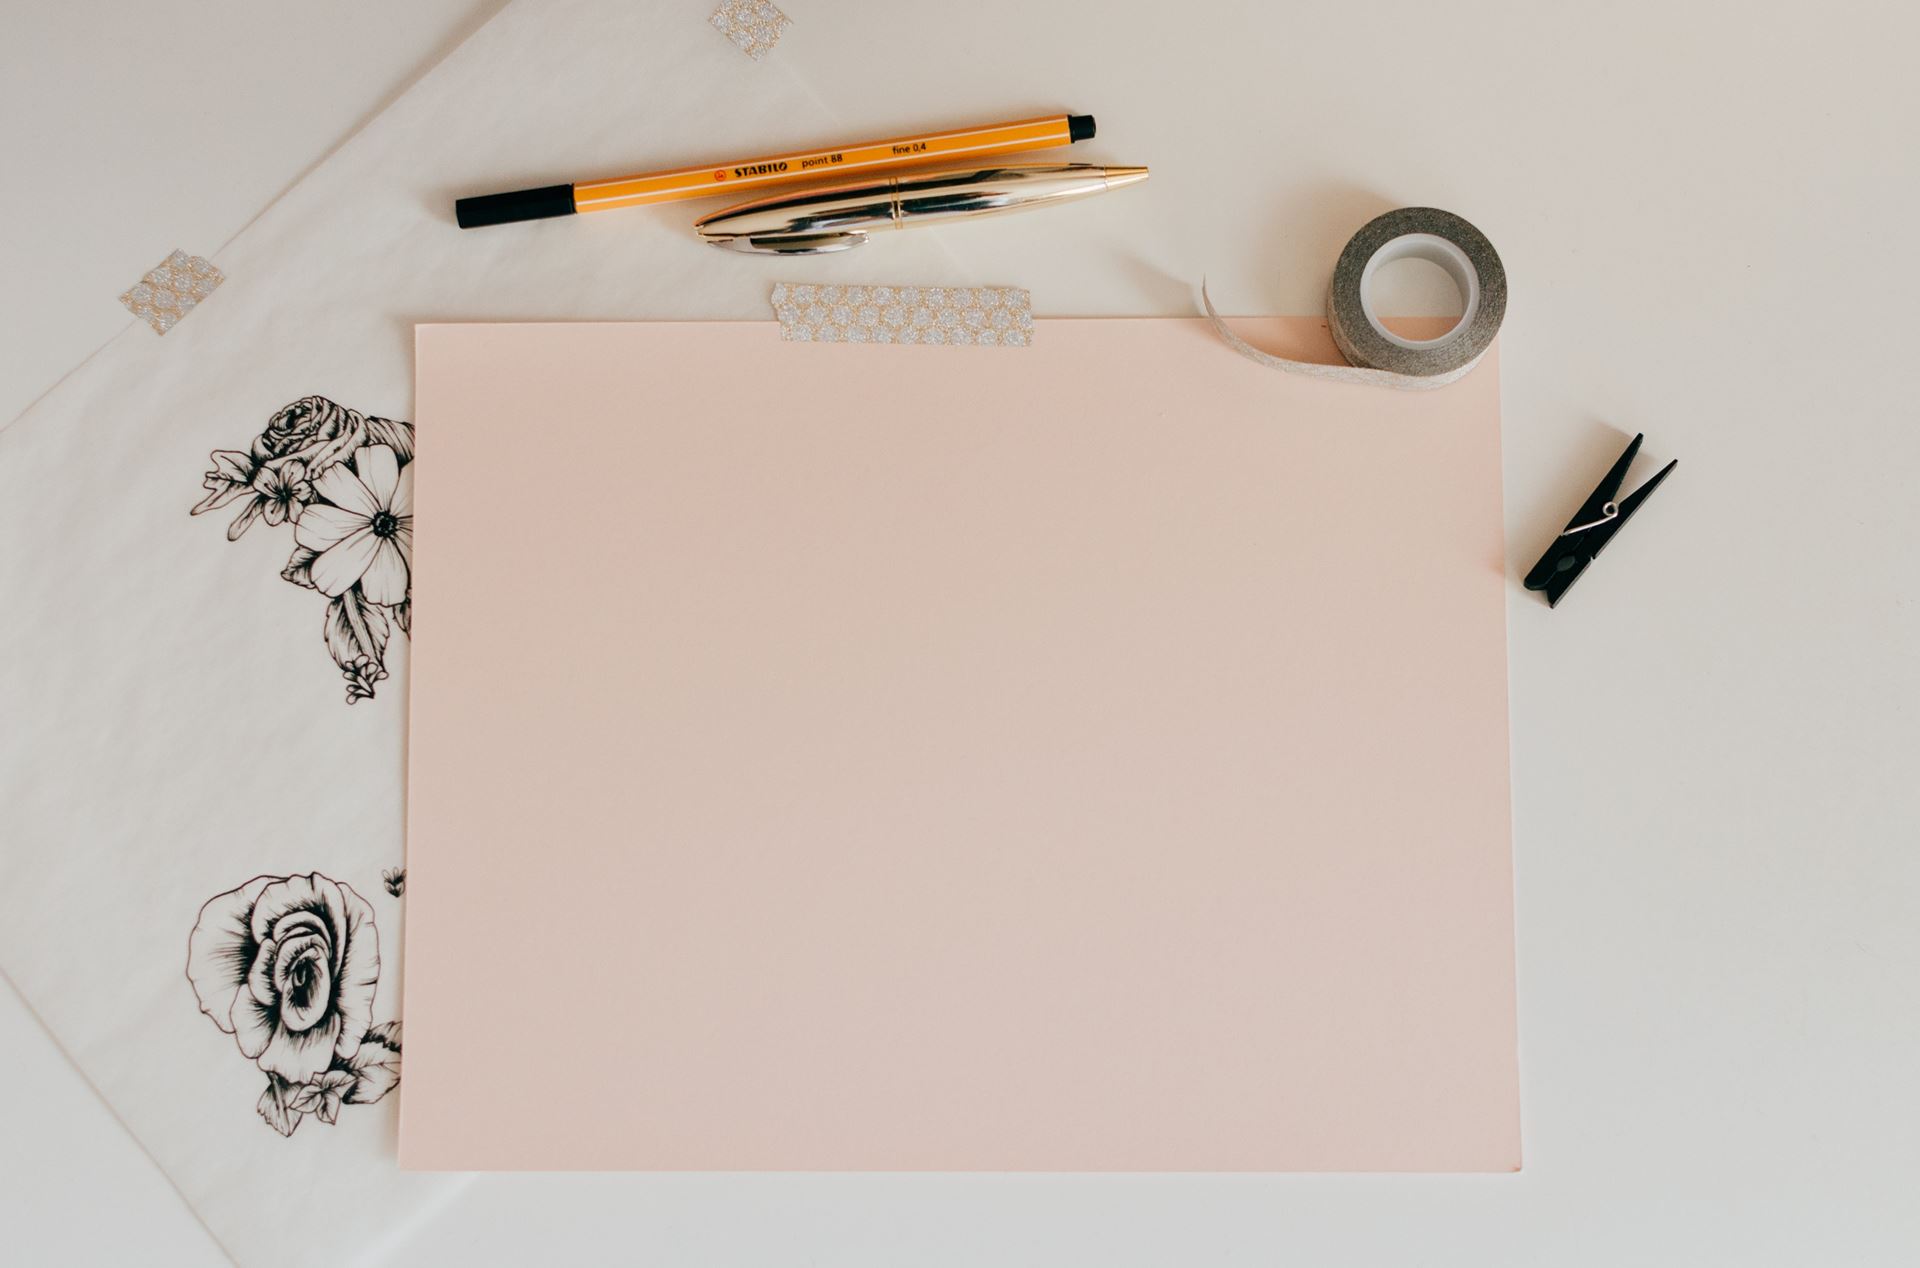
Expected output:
{"points": [[203, 758]]}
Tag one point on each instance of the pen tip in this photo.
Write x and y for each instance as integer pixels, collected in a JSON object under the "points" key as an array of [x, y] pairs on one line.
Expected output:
{"points": [[1118, 176]]}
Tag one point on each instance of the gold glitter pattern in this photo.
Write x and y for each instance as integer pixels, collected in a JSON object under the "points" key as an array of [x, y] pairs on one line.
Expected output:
{"points": [[171, 289], [754, 26], [988, 316]]}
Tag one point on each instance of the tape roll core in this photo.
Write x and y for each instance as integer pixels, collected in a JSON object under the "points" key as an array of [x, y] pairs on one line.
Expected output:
{"points": [[1434, 250]]}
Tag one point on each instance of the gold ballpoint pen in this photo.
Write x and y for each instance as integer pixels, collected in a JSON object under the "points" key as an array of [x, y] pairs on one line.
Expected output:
{"points": [[841, 216]]}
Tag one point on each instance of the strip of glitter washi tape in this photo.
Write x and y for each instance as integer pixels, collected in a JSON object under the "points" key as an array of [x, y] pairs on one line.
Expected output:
{"points": [[754, 26], [171, 289], [984, 316]]}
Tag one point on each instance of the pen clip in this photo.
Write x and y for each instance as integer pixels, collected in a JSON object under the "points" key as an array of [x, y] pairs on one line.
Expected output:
{"points": [[791, 244]]}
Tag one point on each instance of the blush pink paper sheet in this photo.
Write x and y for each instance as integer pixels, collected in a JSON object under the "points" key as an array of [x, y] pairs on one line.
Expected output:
{"points": [[1084, 757]]}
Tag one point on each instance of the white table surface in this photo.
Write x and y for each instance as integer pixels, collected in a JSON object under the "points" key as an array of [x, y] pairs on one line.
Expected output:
{"points": [[1716, 740]]}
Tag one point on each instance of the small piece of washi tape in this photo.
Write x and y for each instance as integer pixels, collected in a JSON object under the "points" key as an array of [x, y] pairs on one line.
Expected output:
{"points": [[170, 290], [754, 26], [1375, 354], [987, 316]]}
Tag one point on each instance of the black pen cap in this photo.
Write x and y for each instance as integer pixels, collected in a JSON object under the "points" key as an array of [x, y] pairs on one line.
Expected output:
{"points": [[519, 204], [1079, 127]]}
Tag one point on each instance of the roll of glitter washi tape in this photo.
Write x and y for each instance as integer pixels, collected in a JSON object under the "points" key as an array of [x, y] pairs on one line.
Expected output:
{"points": [[1374, 353]]}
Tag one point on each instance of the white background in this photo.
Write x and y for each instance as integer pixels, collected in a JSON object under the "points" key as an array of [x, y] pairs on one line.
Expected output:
{"points": [[1707, 213]]}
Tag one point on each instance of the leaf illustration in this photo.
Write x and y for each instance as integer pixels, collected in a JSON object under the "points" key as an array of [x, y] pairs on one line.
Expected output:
{"points": [[299, 569], [372, 1082], [403, 615], [232, 475], [323, 1096], [376, 1067], [396, 435], [357, 631], [244, 520], [275, 1108]]}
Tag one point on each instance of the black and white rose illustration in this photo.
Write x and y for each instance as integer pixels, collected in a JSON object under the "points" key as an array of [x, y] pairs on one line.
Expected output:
{"points": [[288, 965], [344, 481]]}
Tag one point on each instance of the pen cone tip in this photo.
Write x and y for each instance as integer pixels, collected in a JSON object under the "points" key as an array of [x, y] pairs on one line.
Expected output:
{"points": [[1118, 176]]}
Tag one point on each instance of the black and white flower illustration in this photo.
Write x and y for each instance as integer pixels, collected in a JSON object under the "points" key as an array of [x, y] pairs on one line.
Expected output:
{"points": [[344, 481], [289, 966]]}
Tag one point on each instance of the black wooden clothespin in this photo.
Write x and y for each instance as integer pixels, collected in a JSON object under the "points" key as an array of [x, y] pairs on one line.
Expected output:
{"points": [[1591, 528]]}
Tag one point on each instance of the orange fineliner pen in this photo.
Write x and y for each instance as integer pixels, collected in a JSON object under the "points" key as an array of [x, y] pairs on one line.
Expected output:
{"points": [[774, 169]]}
